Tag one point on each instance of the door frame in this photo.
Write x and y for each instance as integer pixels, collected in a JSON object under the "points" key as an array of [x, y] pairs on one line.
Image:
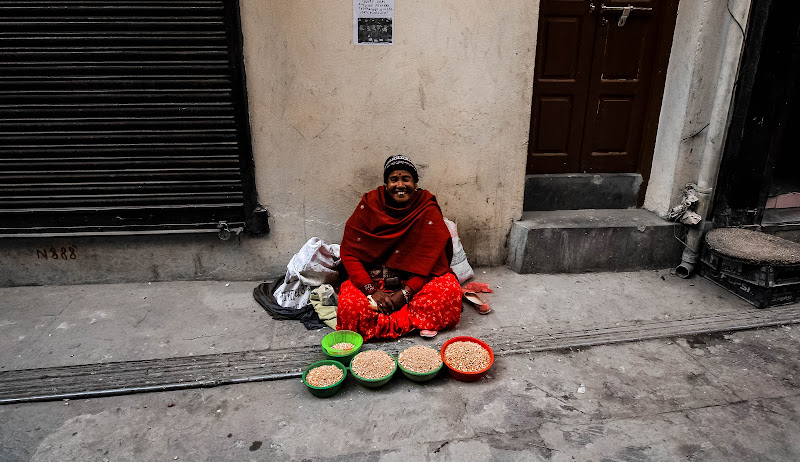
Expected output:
{"points": [[664, 38], [763, 91], [666, 31]]}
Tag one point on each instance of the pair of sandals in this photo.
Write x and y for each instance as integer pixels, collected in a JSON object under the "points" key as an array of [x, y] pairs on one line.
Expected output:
{"points": [[469, 294]]}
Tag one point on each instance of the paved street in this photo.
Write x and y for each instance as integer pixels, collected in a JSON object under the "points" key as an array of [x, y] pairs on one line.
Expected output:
{"points": [[712, 397]]}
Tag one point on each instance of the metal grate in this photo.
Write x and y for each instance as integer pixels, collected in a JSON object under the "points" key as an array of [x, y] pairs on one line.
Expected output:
{"points": [[122, 115]]}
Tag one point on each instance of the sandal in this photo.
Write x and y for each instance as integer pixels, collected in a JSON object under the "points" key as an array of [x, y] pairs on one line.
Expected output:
{"points": [[428, 333], [477, 302], [478, 287]]}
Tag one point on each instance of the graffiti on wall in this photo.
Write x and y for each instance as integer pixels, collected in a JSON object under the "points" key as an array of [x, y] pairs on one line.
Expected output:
{"points": [[57, 253]]}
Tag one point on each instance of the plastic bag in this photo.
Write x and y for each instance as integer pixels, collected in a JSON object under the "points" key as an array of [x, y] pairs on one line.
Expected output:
{"points": [[315, 264], [459, 263]]}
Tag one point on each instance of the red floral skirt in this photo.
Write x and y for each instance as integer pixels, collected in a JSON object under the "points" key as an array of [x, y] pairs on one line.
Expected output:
{"points": [[436, 306]]}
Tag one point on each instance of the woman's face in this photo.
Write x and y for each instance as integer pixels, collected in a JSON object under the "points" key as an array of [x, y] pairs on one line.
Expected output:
{"points": [[400, 187]]}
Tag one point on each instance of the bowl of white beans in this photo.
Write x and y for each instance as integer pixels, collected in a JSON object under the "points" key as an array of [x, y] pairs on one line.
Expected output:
{"points": [[467, 358], [324, 378], [373, 368], [419, 363]]}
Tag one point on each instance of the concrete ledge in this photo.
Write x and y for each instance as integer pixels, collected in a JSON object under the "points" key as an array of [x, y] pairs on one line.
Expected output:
{"points": [[575, 191], [143, 258], [571, 241]]}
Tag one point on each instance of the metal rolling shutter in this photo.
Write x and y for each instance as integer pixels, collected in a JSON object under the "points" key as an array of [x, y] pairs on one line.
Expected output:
{"points": [[123, 116]]}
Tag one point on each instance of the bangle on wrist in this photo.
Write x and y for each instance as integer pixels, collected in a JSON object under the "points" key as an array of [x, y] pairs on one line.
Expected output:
{"points": [[369, 289], [406, 294]]}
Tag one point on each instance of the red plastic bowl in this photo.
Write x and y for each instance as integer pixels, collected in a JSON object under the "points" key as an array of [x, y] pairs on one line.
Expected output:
{"points": [[467, 376]]}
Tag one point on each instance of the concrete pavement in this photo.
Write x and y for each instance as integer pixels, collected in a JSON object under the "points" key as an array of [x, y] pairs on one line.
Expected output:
{"points": [[710, 397], [50, 326]]}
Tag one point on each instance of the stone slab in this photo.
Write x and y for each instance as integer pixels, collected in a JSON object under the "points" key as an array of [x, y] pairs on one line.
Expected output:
{"points": [[573, 191], [572, 241]]}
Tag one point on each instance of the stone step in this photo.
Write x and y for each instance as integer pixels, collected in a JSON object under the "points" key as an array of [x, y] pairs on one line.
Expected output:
{"points": [[577, 191], [576, 241]]}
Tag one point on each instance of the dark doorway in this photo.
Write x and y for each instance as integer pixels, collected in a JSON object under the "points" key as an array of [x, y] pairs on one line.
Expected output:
{"points": [[759, 179]]}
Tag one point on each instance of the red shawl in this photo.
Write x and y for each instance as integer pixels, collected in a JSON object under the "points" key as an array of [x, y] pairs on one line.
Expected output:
{"points": [[413, 239]]}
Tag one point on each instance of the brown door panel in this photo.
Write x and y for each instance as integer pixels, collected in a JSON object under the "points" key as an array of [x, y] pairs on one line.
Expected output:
{"points": [[609, 141], [618, 93], [561, 52], [592, 85], [636, 3], [624, 52], [563, 66], [553, 118], [563, 7]]}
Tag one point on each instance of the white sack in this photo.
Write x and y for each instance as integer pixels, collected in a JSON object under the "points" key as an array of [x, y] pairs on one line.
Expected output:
{"points": [[315, 264]]}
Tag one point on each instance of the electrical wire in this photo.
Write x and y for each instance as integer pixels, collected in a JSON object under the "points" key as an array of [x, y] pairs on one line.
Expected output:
{"points": [[728, 5]]}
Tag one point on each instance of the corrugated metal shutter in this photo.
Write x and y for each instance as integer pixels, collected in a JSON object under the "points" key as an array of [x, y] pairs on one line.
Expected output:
{"points": [[123, 116]]}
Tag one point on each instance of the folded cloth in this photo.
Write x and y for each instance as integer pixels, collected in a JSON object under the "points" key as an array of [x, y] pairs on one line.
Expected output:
{"points": [[324, 301], [264, 295]]}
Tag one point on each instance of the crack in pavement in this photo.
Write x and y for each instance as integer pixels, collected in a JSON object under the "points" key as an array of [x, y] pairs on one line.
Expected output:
{"points": [[550, 395], [694, 359]]}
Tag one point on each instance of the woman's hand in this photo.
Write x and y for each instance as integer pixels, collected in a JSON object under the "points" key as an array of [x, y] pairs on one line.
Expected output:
{"points": [[398, 300], [384, 302], [388, 303]]}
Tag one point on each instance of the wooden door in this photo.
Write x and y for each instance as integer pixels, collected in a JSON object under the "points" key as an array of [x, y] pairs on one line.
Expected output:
{"points": [[598, 84]]}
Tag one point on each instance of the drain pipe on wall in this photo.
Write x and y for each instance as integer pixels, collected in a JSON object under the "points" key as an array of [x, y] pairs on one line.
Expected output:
{"points": [[695, 235], [715, 137], [706, 181]]}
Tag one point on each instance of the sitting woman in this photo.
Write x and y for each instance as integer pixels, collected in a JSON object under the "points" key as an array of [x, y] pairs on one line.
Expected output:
{"points": [[397, 251]]}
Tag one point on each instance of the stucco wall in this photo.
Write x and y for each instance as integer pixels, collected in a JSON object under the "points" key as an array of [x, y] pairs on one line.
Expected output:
{"points": [[704, 61], [453, 93]]}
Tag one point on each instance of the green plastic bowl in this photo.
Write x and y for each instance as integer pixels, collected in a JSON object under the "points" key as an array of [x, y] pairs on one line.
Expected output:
{"points": [[419, 376], [375, 383], [324, 392], [339, 336]]}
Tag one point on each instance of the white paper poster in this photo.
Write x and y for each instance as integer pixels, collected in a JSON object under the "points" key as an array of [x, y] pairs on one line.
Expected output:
{"points": [[373, 22]]}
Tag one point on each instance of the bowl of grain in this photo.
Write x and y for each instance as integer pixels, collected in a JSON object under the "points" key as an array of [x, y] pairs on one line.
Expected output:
{"points": [[419, 363], [324, 378], [467, 358], [342, 345], [373, 368]]}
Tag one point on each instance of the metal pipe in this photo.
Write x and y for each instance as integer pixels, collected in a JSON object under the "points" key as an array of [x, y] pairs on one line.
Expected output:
{"points": [[236, 231], [712, 147], [695, 235]]}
